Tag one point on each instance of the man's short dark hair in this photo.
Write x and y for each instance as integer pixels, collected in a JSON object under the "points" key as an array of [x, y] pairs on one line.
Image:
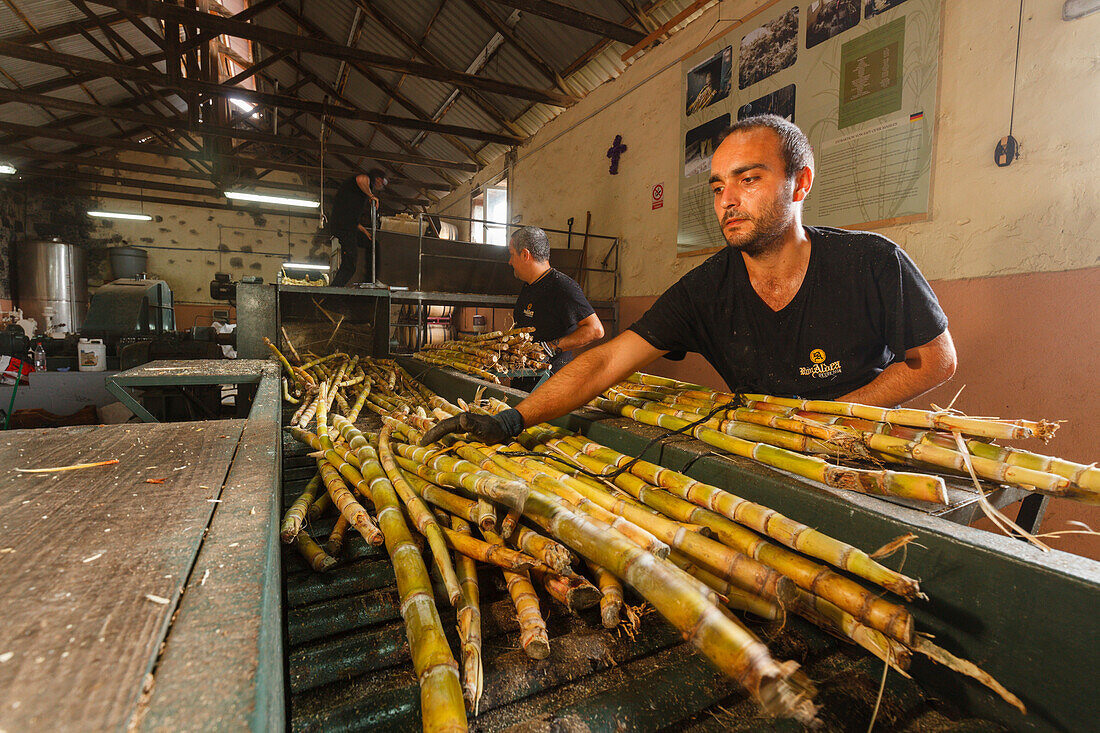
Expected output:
{"points": [[534, 240], [377, 173], [793, 143]]}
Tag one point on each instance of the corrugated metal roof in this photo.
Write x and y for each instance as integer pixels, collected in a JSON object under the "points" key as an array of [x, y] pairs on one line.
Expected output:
{"points": [[459, 36]]}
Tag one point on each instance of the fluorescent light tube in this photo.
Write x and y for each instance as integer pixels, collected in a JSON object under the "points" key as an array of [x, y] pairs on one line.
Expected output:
{"points": [[263, 198], [120, 215], [6, 169], [304, 266]]}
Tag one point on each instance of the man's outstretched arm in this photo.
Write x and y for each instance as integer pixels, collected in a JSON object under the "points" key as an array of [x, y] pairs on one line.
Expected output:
{"points": [[924, 368], [588, 330], [578, 382]]}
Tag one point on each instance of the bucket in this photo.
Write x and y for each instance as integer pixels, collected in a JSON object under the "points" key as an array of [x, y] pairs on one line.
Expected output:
{"points": [[128, 262], [92, 355]]}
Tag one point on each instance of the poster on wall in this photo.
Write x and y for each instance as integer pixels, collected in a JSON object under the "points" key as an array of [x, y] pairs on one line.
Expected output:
{"points": [[858, 76]]}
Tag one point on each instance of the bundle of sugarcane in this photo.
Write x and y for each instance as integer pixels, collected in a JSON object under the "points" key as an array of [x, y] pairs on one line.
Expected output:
{"points": [[488, 355], [690, 550], [780, 431], [350, 383], [703, 98]]}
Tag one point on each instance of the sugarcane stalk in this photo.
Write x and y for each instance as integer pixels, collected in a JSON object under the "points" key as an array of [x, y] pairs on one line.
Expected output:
{"points": [[459, 506], [469, 623], [336, 537], [489, 553], [843, 624], [883, 483], [938, 455], [737, 598], [296, 514], [575, 592], [290, 346], [553, 554], [420, 514], [532, 628], [506, 468], [611, 595], [764, 520], [279, 355], [441, 696], [720, 559], [779, 688], [320, 506], [487, 515], [350, 509], [887, 617], [313, 553]]}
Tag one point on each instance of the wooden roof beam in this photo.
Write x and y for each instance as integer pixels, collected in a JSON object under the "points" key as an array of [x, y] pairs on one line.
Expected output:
{"points": [[120, 71], [576, 19], [281, 39]]}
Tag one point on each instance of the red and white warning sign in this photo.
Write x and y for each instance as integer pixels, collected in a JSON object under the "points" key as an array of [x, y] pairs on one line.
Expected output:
{"points": [[658, 196]]}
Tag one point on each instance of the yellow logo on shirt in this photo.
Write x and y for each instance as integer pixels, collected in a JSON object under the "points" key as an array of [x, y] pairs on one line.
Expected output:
{"points": [[820, 370], [529, 311]]}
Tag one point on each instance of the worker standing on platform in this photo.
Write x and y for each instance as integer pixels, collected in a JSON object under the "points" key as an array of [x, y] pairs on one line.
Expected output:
{"points": [[356, 200], [551, 301], [785, 309]]}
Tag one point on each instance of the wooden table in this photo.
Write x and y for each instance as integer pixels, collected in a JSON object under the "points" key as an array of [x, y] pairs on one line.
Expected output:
{"points": [[142, 593]]}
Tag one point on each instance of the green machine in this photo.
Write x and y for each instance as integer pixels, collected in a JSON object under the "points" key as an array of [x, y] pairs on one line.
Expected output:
{"points": [[130, 307]]}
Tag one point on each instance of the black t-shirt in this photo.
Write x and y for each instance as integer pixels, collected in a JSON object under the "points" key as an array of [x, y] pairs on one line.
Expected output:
{"points": [[554, 304], [347, 208], [861, 305]]}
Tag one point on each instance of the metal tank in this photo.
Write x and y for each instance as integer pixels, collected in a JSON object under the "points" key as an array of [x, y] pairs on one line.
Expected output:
{"points": [[50, 273]]}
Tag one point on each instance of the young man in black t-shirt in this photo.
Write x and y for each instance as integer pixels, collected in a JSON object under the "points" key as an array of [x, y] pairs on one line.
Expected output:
{"points": [[551, 301], [352, 200], [784, 309]]}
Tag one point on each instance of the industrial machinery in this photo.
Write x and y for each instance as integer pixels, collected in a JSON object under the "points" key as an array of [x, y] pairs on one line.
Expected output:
{"points": [[52, 284]]}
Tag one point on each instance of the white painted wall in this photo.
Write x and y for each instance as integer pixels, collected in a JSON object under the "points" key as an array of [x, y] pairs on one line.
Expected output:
{"points": [[187, 245]]}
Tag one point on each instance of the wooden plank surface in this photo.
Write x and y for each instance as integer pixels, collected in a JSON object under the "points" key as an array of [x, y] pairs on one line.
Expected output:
{"points": [[193, 371], [92, 562], [230, 610]]}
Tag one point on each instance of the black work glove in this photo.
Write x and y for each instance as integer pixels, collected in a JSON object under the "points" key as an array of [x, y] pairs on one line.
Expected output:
{"points": [[489, 429]]}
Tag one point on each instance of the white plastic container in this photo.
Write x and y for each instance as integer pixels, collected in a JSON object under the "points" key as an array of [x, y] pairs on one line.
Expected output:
{"points": [[92, 355]]}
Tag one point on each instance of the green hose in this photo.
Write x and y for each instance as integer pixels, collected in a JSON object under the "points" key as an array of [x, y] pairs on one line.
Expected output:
{"points": [[11, 405]]}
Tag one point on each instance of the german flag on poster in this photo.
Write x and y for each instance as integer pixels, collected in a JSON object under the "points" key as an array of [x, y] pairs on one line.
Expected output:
{"points": [[916, 116]]}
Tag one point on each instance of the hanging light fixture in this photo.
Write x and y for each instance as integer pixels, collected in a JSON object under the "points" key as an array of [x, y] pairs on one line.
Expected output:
{"points": [[7, 169], [264, 198], [120, 215]]}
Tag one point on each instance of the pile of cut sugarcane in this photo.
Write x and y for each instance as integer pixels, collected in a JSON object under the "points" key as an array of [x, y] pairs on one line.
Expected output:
{"points": [[557, 510], [780, 432], [488, 355]]}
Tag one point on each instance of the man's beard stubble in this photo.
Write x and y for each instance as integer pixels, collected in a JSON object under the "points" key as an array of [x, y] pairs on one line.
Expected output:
{"points": [[766, 232]]}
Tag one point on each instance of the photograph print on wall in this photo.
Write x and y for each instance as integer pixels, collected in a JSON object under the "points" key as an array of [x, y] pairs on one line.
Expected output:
{"points": [[874, 7], [710, 81], [779, 102], [769, 49], [699, 145], [827, 18]]}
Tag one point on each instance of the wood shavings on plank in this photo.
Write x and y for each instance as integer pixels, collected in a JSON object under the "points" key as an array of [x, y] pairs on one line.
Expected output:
{"points": [[156, 599], [93, 557], [155, 480]]}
